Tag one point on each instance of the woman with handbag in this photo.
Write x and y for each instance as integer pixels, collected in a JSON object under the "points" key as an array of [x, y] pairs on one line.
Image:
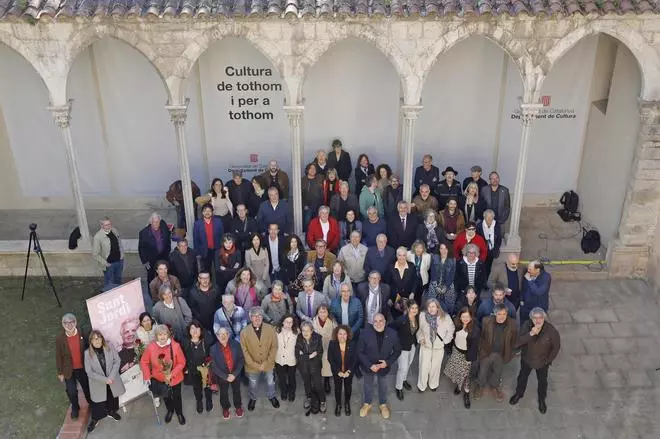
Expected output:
{"points": [[172, 311], [197, 347], [162, 365], [105, 384], [464, 355]]}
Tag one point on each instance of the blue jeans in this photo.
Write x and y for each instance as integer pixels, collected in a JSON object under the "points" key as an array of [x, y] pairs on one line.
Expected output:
{"points": [[253, 379], [146, 297], [112, 274], [369, 377], [308, 214]]}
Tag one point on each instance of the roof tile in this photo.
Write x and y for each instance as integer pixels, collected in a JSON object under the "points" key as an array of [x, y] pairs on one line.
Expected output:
{"points": [[323, 8]]}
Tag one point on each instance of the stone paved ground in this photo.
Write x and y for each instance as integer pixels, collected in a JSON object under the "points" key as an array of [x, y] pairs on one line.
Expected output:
{"points": [[603, 385]]}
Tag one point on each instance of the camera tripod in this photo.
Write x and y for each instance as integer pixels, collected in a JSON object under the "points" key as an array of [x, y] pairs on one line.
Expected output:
{"points": [[34, 241]]}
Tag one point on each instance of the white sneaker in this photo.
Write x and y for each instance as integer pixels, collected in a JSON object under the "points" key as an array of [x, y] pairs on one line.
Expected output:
{"points": [[157, 402]]}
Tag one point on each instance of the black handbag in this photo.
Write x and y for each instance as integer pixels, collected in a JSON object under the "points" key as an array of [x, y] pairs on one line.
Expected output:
{"points": [[158, 388]]}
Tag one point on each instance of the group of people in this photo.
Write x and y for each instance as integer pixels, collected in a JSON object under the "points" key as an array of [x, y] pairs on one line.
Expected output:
{"points": [[374, 280]]}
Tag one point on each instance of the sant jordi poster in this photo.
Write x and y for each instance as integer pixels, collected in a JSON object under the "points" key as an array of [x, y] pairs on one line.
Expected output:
{"points": [[116, 314]]}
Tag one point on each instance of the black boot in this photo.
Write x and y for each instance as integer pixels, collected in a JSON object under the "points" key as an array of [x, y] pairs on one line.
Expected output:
{"points": [[92, 425], [457, 390], [338, 410], [326, 385], [209, 400], [466, 400], [347, 406], [399, 394], [200, 406], [168, 416], [292, 396]]}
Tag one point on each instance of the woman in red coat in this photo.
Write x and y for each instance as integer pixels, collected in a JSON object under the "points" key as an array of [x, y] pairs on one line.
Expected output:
{"points": [[162, 363], [315, 230], [330, 186], [469, 236]]}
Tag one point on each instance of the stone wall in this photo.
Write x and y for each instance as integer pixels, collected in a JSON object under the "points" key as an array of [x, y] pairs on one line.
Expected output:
{"points": [[535, 44]]}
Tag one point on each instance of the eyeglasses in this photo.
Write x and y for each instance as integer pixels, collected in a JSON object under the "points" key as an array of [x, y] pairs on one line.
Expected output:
{"points": [[69, 322], [471, 229]]}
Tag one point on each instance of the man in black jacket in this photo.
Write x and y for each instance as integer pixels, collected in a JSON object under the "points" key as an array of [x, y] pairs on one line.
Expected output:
{"points": [[402, 228], [378, 349], [204, 300], [380, 257], [184, 264], [154, 244], [427, 174], [242, 227]]}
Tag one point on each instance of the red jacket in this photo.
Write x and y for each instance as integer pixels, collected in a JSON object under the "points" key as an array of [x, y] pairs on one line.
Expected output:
{"points": [[315, 232], [151, 367], [327, 195], [461, 241]]}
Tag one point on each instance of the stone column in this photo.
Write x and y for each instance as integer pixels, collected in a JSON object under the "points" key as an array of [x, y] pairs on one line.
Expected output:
{"points": [[62, 116], [178, 115], [410, 114], [628, 255], [295, 115], [528, 113]]}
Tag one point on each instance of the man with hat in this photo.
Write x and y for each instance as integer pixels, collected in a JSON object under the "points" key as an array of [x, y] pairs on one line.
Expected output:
{"points": [[449, 187], [340, 160], [475, 177]]}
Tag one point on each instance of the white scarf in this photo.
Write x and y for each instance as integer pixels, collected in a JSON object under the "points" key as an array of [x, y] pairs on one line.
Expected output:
{"points": [[489, 234], [167, 343]]}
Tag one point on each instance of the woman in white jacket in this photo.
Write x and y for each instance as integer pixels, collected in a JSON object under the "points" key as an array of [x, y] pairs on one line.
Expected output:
{"points": [[422, 261], [436, 330]]}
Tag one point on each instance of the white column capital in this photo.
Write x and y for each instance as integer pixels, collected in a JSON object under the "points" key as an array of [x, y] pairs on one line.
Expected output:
{"points": [[61, 113], [529, 112], [178, 113], [294, 113], [411, 112]]}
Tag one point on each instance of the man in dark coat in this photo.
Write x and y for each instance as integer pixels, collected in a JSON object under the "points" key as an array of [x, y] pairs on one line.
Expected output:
{"points": [[207, 237], [540, 346], [204, 300], [497, 198], [427, 174], [402, 228], [239, 188], [380, 257], [184, 264], [535, 290], [498, 340], [475, 177], [70, 345], [375, 297], [154, 244], [340, 160], [242, 227], [378, 349], [448, 188], [275, 211]]}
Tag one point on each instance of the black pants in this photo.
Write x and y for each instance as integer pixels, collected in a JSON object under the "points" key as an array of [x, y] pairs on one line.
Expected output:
{"points": [[77, 376], [173, 402], [348, 389], [197, 388], [102, 409], [313, 383], [207, 261], [541, 377], [286, 377], [224, 393]]}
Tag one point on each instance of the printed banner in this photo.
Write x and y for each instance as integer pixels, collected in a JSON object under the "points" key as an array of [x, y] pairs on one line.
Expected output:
{"points": [[115, 314]]}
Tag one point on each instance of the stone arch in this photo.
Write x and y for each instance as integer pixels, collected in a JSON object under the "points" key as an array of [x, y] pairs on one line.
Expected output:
{"points": [[381, 42], [201, 44], [647, 58], [87, 36], [501, 37], [24, 51]]}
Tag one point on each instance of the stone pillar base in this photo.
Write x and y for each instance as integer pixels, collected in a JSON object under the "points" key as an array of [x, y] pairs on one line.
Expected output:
{"points": [[513, 244], [627, 261]]}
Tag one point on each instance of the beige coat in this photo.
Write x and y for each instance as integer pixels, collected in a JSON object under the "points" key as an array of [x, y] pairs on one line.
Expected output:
{"points": [[101, 248], [444, 335], [257, 350], [326, 335], [259, 264], [498, 275], [354, 264]]}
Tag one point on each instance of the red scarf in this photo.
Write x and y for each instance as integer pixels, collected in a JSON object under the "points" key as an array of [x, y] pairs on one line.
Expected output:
{"points": [[225, 254]]}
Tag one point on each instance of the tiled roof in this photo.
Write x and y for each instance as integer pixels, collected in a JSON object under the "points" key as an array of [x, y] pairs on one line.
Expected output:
{"points": [[35, 9]]}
